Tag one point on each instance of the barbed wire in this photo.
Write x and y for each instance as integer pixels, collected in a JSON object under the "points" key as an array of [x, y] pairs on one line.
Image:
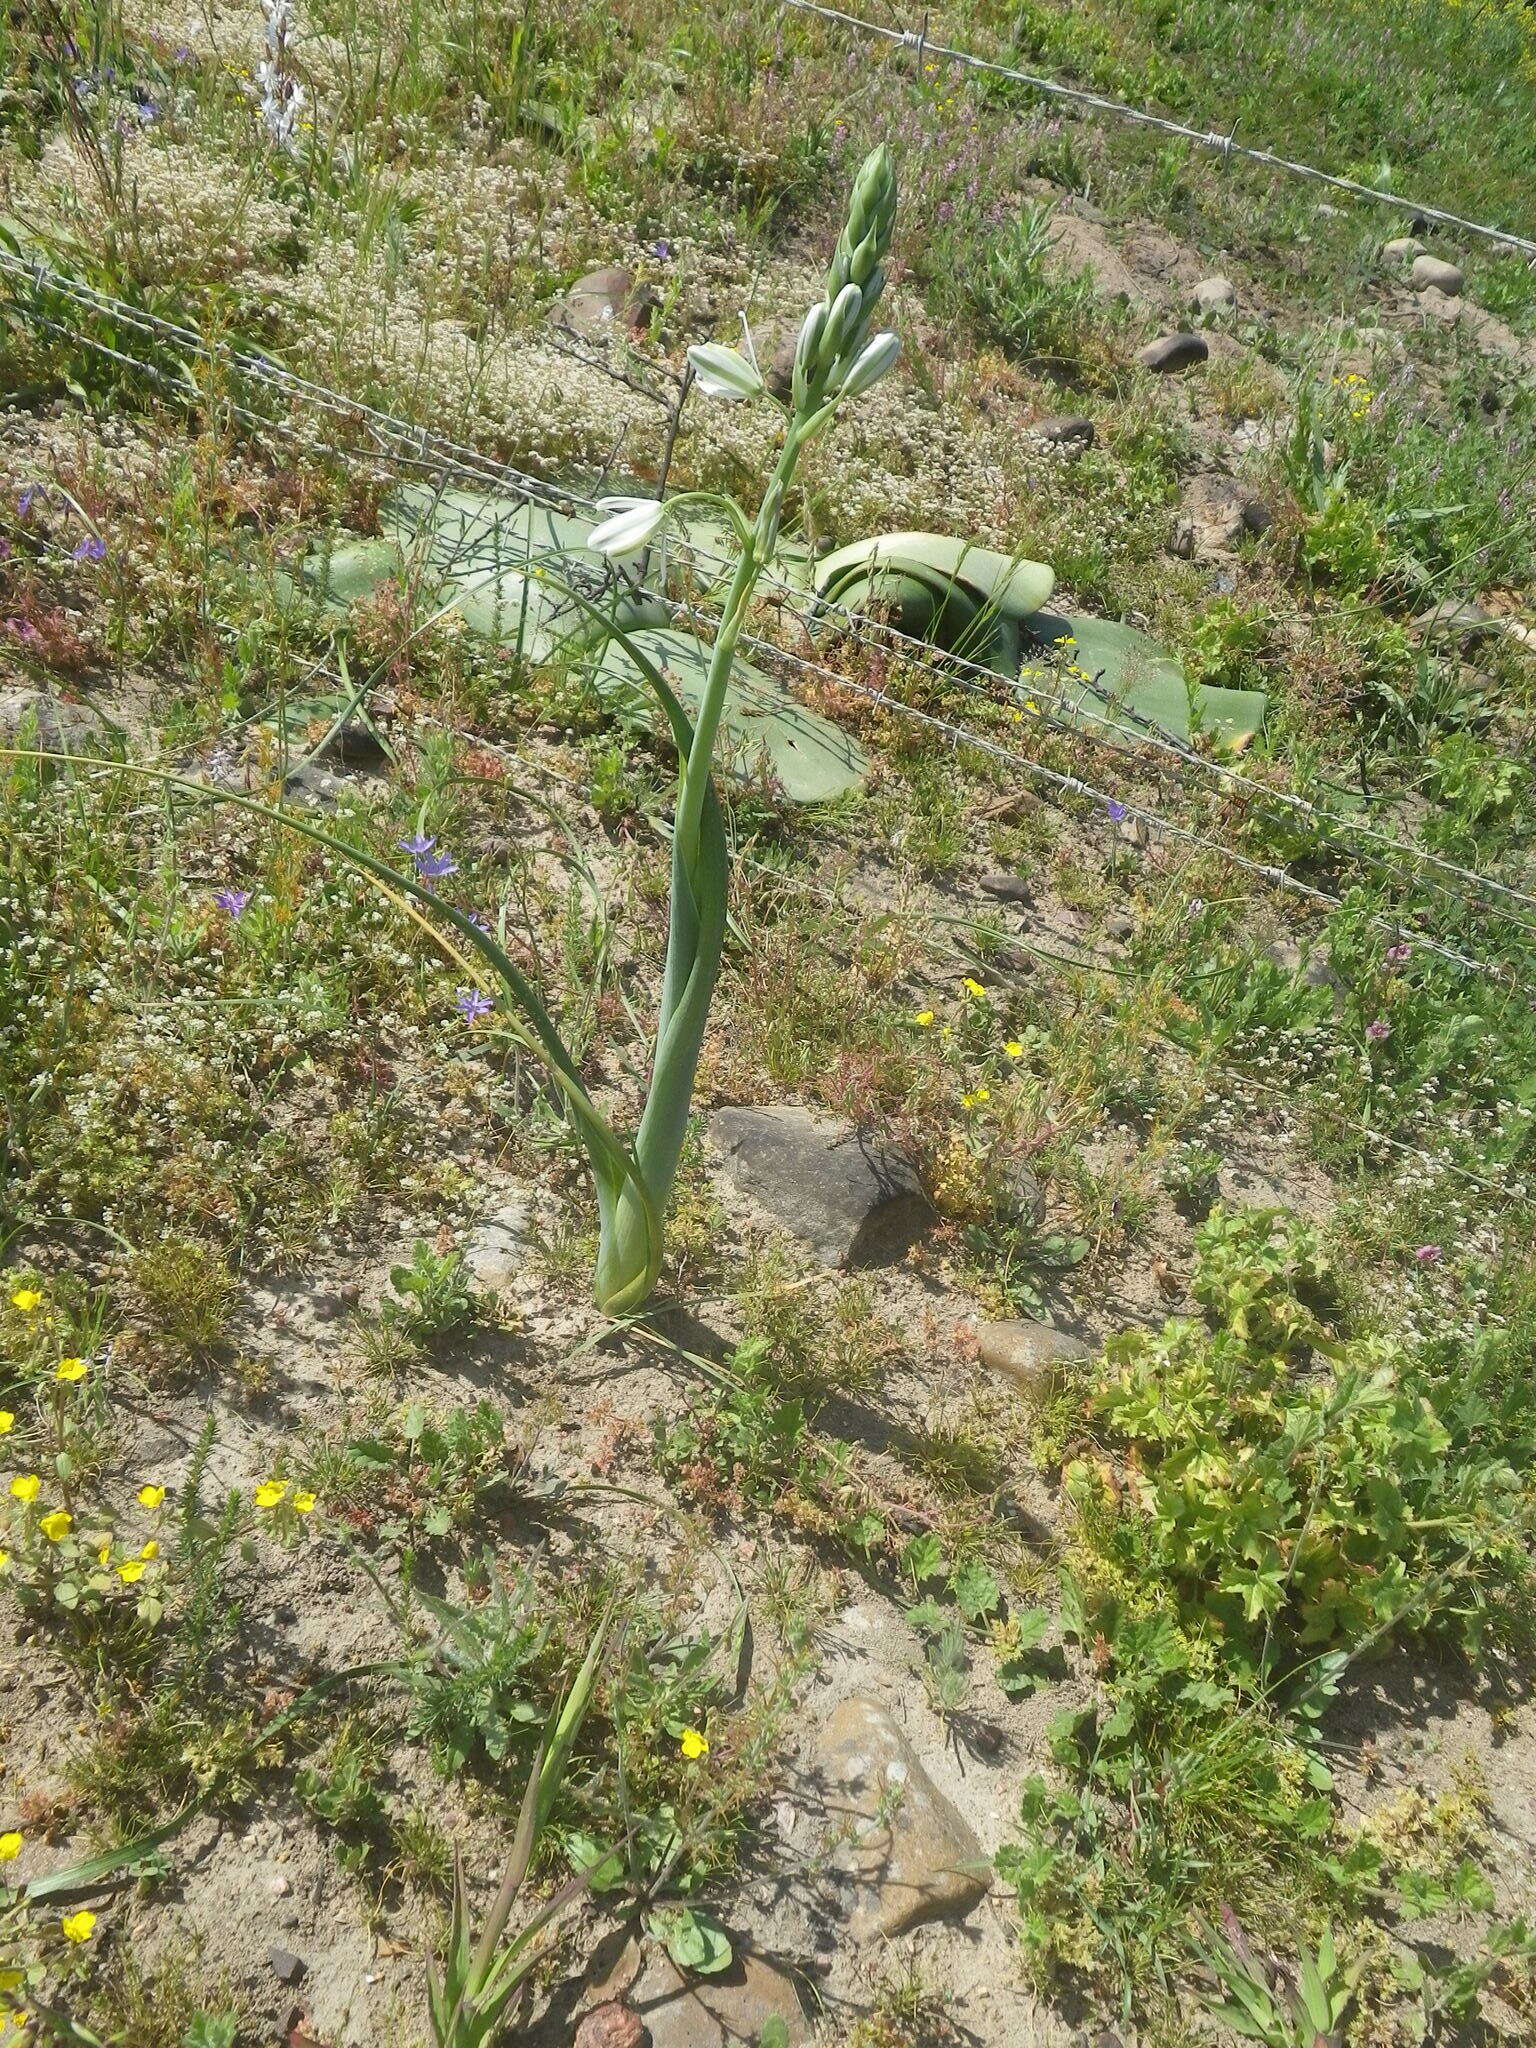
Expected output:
{"points": [[1225, 146], [402, 440], [466, 460]]}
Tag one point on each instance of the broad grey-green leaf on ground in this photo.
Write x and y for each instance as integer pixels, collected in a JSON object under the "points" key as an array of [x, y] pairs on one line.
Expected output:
{"points": [[970, 600], [693, 1941], [1114, 675], [763, 730]]}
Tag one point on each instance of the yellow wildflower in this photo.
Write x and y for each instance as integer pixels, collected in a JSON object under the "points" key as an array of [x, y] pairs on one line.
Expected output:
{"points": [[56, 1526], [694, 1745], [1014, 1050], [303, 1501], [10, 1845], [976, 1097], [26, 1299], [270, 1492], [104, 1555], [7, 1422], [151, 1549], [71, 1369], [78, 1926], [25, 1486], [923, 1018], [151, 1496], [5, 1561], [131, 1570], [972, 987]]}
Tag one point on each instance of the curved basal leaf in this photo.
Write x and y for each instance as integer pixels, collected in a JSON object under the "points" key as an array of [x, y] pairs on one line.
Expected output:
{"points": [[1116, 676], [937, 587], [763, 730]]}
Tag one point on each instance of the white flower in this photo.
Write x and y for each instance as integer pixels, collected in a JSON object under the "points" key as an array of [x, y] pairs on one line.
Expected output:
{"points": [[629, 532], [722, 372]]}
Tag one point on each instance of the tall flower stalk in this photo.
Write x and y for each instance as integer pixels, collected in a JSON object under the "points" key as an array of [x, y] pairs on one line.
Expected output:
{"points": [[281, 93], [837, 357]]}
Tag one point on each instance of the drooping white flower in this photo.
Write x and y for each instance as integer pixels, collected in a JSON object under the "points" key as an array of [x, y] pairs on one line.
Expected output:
{"points": [[634, 524], [723, 372]]}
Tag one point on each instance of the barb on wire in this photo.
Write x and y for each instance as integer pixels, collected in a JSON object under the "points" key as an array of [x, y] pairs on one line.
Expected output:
{"points": [[1225, 146]]}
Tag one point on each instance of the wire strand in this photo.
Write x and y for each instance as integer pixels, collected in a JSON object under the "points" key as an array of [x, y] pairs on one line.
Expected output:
{"points": [[1225, 146]]}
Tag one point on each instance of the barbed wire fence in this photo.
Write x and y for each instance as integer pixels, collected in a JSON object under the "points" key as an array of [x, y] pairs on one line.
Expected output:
{"points": [[401, 443], [1226, 146]]}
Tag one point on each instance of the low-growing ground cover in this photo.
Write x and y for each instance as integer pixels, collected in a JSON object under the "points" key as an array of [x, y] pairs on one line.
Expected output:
{"points": [[1100, 1609]]}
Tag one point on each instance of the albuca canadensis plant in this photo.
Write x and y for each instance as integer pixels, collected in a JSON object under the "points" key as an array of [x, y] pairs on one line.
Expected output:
{"points": [[837, 357]]}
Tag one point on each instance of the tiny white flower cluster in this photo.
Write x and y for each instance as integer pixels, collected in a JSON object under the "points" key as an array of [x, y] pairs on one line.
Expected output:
{"points": [[281, 93]]}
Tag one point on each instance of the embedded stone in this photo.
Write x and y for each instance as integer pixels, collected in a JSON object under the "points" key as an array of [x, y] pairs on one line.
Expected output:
{"points": [[604, 302], [850, 1199], [496, 1249], [611, 2025], [1454, 624], [1430, 273], [286, 1967], [38, 718], [908, 1855], [1073, 431], [1172, 354], [1214, 296], [725, 2011], [1035, 1356], [1402, 249]]}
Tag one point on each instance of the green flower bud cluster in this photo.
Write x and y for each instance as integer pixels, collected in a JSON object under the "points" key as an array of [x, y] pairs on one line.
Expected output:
{"points": [[835, 356]]}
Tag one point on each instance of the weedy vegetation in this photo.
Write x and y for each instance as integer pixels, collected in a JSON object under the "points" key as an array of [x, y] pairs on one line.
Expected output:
{"points": [[489, 684]]}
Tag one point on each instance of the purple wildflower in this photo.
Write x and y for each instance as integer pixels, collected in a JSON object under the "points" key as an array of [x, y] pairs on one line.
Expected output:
{"points": [[1377, 1030], [28, 499], [433, 866], [92, 549], [417, 845], [1398, 955], [1429, 1255], [661, 250], [1116, 810], [233, 901], [479, 920], [471, 1004]]}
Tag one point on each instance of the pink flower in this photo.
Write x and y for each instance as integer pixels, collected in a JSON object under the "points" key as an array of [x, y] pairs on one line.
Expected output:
{"points": [[1429, 1255], [1377, 1030]]}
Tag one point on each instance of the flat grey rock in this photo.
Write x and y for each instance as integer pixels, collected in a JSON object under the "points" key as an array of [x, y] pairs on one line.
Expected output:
{"points": [[605, 301], [910, 1856], [1214, 296], [1402, 249], [1033, 1355], [1429, 273], [1455, 624], [727, 2011], [846, 1197], [1172, 354], [1070, 430], [496, 1249], [38, 718]]}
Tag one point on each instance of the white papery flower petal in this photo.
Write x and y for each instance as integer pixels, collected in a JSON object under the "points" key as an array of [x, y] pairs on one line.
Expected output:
{"points": [[722, 372], [634, 525]]}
